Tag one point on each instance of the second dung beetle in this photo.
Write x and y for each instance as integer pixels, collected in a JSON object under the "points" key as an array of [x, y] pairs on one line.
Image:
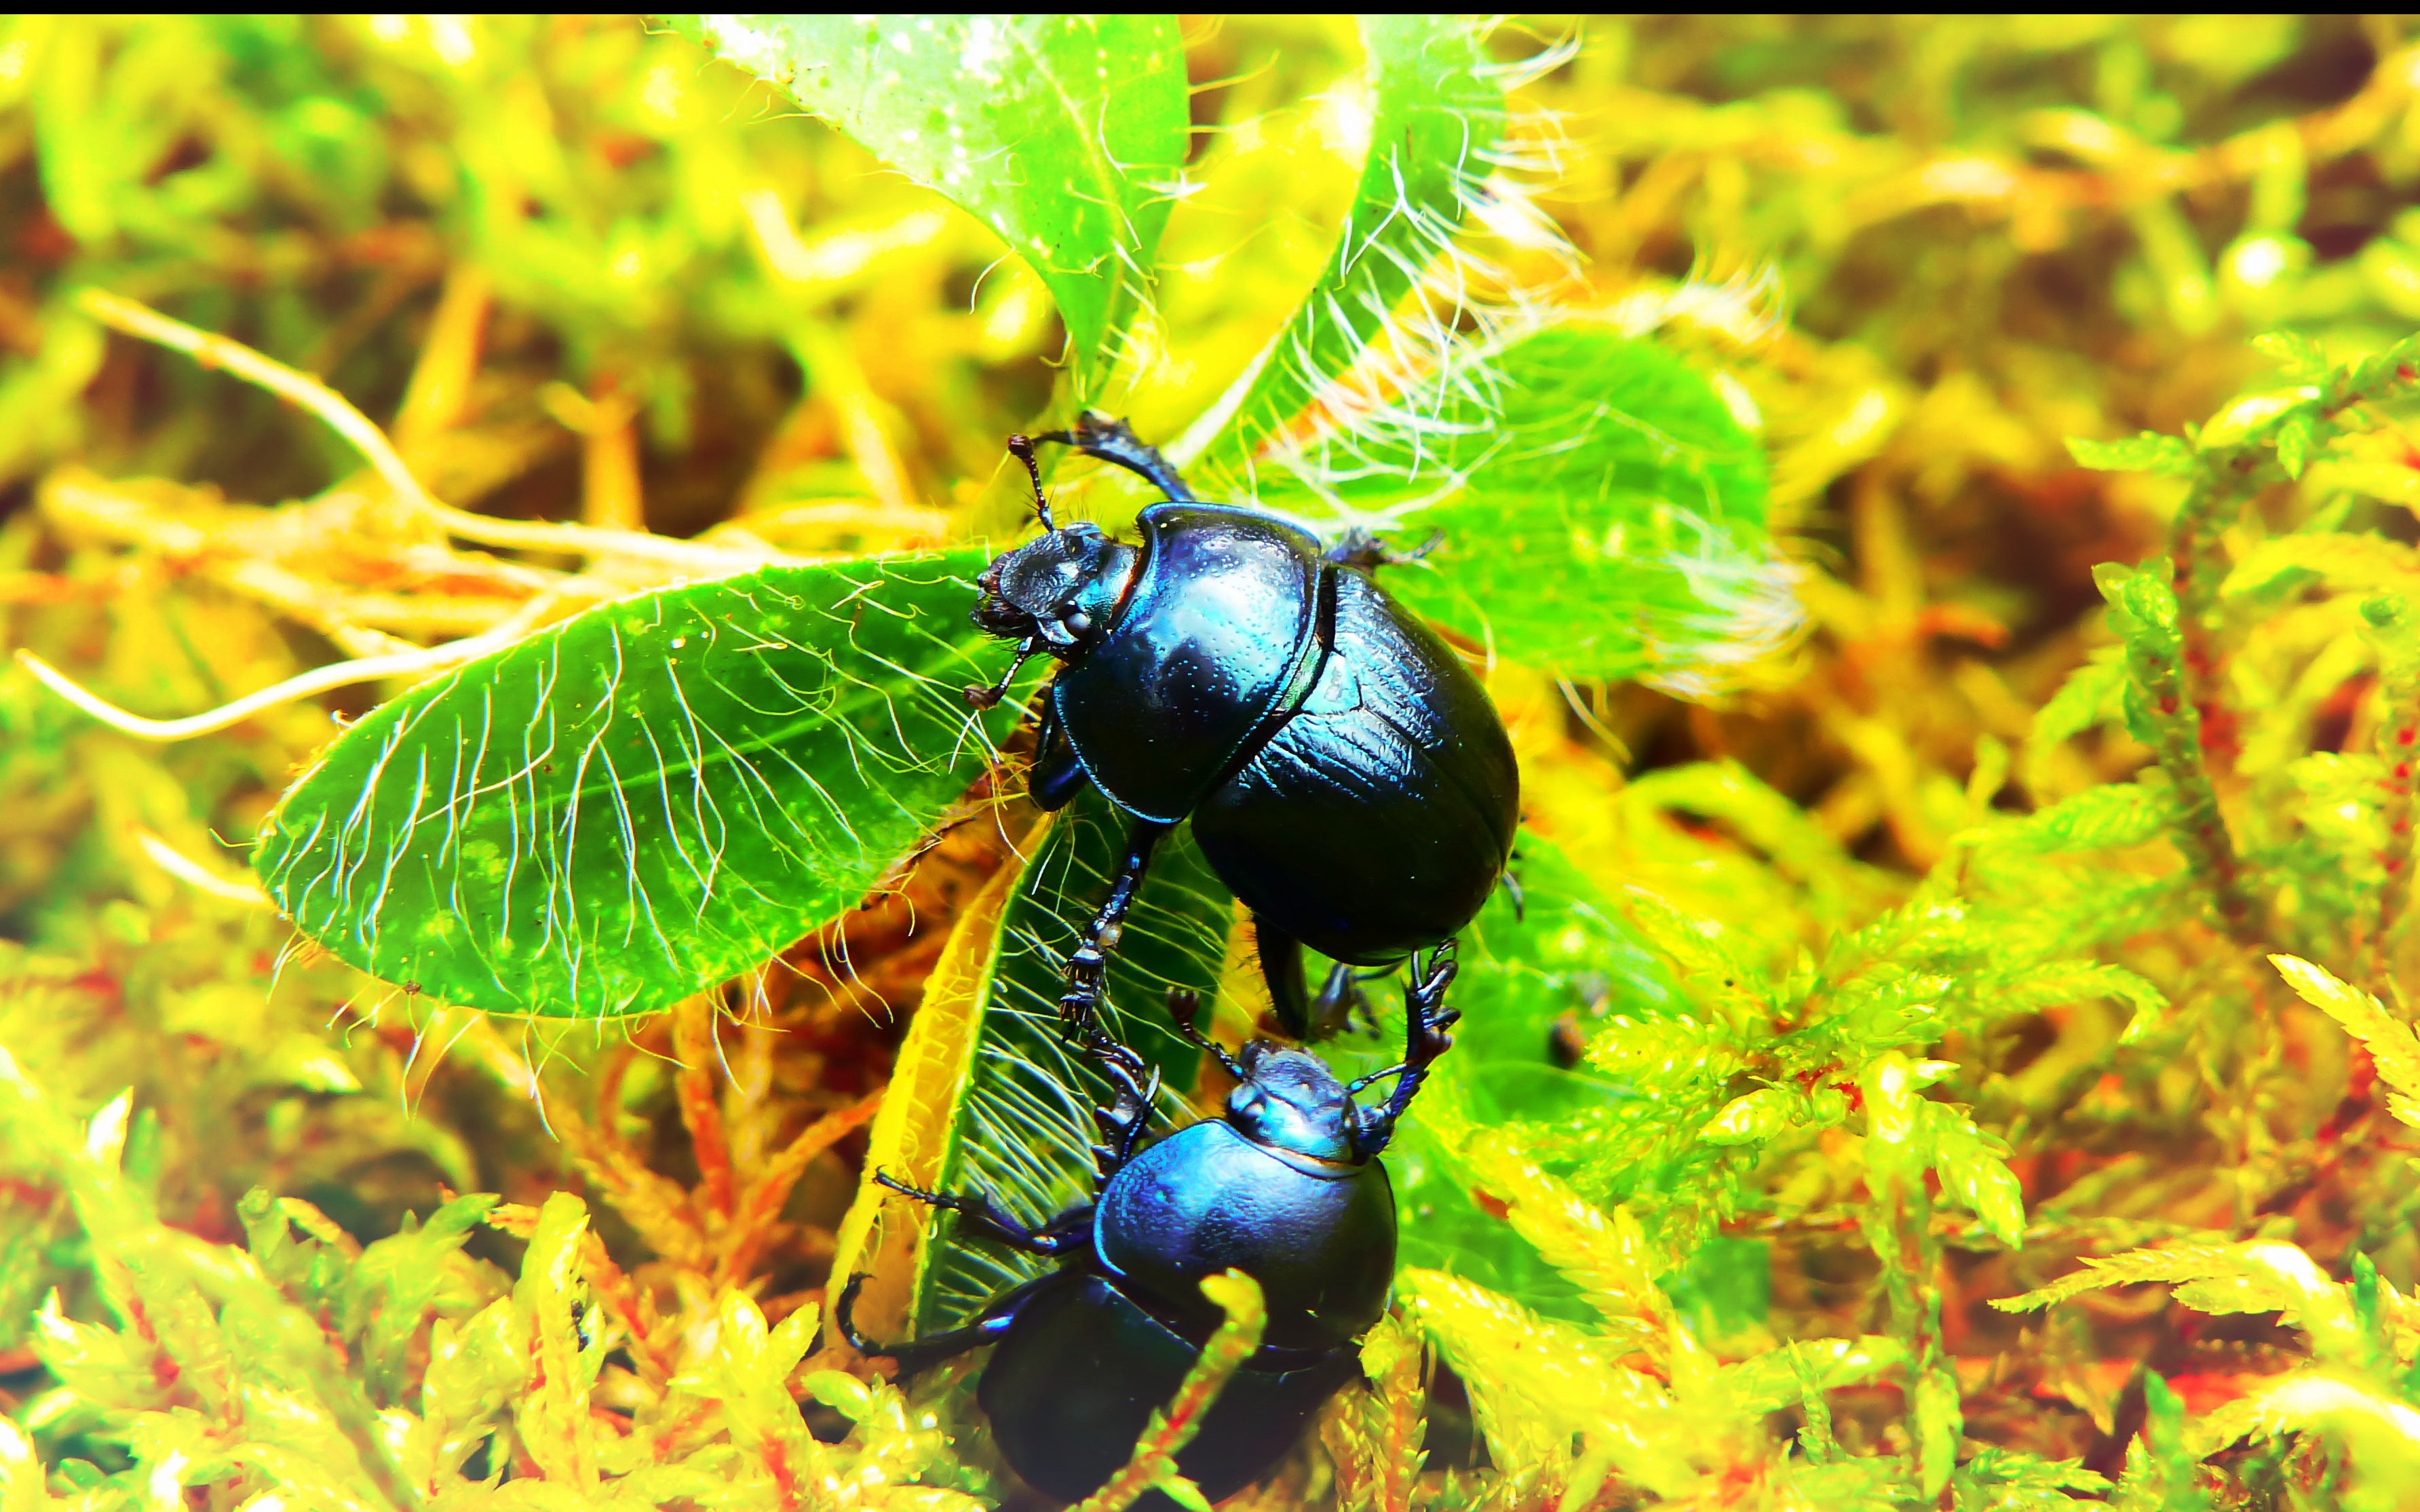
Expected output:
{"points": [[1287, 1188], [1346, 774]]}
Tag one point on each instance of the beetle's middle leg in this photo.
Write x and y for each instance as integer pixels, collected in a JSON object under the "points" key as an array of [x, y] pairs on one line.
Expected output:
{"points": [[1087, 968]]}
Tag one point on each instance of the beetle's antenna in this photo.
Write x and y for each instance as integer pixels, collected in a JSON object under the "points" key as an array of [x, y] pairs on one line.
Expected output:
{"points": [[1185, 1009], [1022, 448], [983, 698]]}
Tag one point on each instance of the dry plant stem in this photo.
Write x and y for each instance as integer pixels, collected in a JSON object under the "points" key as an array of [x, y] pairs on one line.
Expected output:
{"points": [[2401, 748], [2201, 566], [610, 497], [334, 409], [2156, 667], [441, 380], [700, 1058], [413, 664]]}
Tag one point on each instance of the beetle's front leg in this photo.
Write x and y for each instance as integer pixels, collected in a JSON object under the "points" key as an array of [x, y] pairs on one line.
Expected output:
{"points": [[983, 698], [982, 1215], [1427, 1019], [1097, 435], [1133, 1083], [1056, 775], [1087, 968]]}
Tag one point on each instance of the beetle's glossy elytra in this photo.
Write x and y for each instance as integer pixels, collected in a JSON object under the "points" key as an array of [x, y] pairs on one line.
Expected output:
{"points": [[1209, 1197], [1346, 774], [1070, 1389], [1214, 641], [1286, 1188]]}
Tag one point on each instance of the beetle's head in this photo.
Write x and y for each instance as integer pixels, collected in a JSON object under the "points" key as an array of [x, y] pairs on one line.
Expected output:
{"points": [[1290, 1099], [1060, 590], [1057, 593]]}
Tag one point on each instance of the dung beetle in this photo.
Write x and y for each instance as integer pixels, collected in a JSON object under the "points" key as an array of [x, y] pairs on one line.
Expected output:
{"points": [[1287, 1188], [1346, 775]]}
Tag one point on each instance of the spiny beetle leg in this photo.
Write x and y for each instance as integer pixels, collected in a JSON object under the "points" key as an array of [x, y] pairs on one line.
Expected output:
{"points": [[1099, 435], [1087, 967], [1133, 1083], [915, 1356], [982, 1219], [1427, 1019], [1512, 886], [1357, 548]]}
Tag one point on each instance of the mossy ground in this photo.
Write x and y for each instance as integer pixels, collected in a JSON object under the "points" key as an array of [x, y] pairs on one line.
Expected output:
{"points": [[1965, 896]]}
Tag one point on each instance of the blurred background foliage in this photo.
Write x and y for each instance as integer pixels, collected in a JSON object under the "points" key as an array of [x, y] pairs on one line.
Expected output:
{"points": [[582, 272]]}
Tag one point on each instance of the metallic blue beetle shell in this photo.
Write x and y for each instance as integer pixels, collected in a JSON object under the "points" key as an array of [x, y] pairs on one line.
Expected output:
{"points": [[1319, 1236], [1076, 1377], [1215, 640]]}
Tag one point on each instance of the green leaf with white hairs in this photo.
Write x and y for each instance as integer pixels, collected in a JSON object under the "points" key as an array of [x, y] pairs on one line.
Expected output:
{"points": [[1436, 115], [1063, 133], [1602, 510], [1023, 1129], [647, 798]]}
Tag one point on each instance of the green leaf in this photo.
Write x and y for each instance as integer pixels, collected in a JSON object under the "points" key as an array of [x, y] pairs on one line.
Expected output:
{"points": [[1023, 1129], [2088, 696], [2394, 1048], [1603, 512], [1066, 135], [1973, 1171], [1436, 114], [645, 799], [2121, 813], [2005, 1480], [2168, 456], [2343, 559]]}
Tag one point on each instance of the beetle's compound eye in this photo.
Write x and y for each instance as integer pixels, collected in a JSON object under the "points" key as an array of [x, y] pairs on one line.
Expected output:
{"points": [[1077, 623]]}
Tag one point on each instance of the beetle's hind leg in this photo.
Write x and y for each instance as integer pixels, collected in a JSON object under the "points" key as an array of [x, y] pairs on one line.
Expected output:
{"points": [[1357, 548], [981, 1217], [917, 1354], [1096, 434], [1302, 1013], [1088, 967]]}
